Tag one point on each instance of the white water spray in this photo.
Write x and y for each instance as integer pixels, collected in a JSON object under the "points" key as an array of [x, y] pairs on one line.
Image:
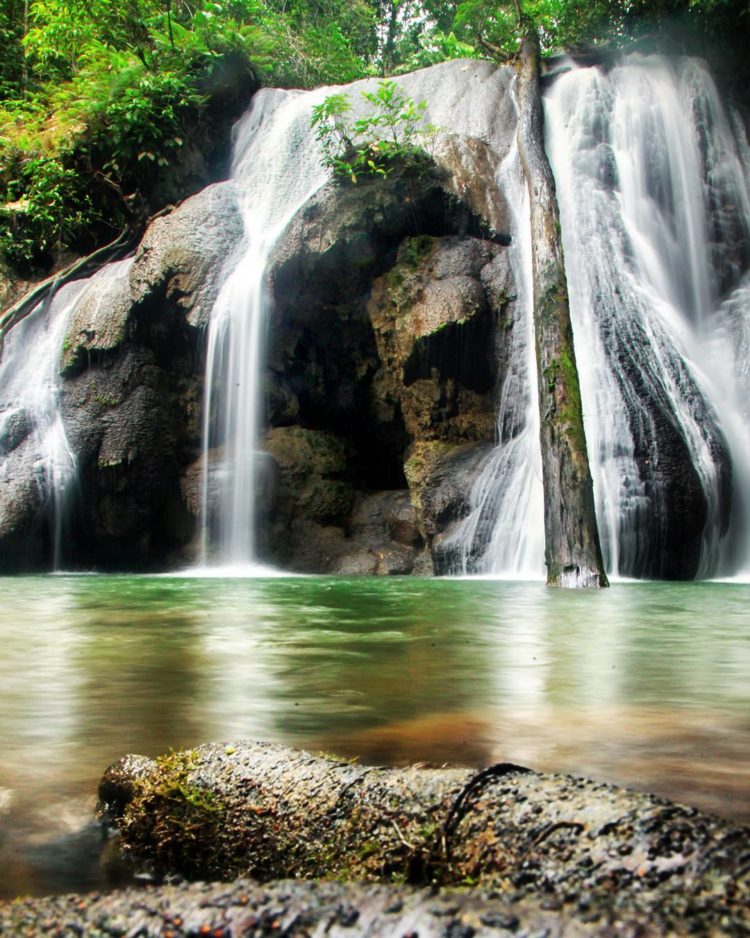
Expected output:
{"points": [[31, 425], [277, 164]]}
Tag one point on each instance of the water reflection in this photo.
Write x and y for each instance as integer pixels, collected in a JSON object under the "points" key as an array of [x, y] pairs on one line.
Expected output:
{"points": [[645, 684]]}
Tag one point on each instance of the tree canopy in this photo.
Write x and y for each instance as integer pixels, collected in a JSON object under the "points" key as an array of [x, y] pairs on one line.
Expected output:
{"points": [[108, 106]]}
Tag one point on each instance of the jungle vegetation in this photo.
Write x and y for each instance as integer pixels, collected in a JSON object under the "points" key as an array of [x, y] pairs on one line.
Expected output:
{"points": [[109, 109]]}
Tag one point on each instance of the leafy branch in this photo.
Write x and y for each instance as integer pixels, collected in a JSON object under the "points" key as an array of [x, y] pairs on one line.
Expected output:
{"points": [[390, 134]]}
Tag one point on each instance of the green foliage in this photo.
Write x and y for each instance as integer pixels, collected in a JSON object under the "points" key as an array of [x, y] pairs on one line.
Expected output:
{"points": [[334, 130], [143, 122], [11, 50], [106, 97], [434, 46], [493, 27], [103, 103], [372, 145], [47, 207]]}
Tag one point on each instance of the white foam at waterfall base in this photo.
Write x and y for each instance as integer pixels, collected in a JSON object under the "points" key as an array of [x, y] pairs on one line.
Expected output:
{"points": [[644, 157]]}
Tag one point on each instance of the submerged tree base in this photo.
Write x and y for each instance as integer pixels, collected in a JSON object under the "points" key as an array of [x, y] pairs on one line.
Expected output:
{"points": [[572, 548]]}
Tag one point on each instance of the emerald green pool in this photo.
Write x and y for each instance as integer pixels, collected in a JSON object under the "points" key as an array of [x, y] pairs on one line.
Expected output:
{"points": [[647, 685]]}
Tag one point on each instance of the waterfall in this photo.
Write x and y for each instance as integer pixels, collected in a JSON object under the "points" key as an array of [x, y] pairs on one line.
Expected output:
{"points": [[653, 181], [503, 532], [38, 466], [277, 164], [654, 211], [32, 432]]}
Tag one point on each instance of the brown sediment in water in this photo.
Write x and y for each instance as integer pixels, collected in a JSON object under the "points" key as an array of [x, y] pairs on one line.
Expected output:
{"points": [[650, 749]]}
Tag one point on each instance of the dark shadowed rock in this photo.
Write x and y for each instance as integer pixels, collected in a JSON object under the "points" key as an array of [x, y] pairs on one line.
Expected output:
{"points": [[384, 333], [126, 423], [312, 466], [440, 476], [434, 326], [384, 535]]}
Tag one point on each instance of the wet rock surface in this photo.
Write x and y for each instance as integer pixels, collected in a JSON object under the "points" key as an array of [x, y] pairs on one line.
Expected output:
{"points": [[671, 530], [131, 420], [183, 254], [391, 329], [22, 536], [434, 326], [132, 380], [441, 477], [99, 320], [130, 399]]}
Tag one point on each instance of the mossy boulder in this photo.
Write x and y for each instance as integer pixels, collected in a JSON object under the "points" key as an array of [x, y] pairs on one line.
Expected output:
{"points": [[312, 466], [594, 852], [440, 476]]}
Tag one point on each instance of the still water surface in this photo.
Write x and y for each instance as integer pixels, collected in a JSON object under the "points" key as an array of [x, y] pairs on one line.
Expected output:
{"points": [[645, 684]]}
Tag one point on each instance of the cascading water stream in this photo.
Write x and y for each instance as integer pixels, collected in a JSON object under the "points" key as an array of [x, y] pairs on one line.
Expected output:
{"points": [[277, 165], [653, 201], [31, 424], [654, 211], [29, 378]]}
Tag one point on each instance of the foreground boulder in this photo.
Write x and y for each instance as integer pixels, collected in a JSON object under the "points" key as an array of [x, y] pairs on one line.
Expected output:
{"points": [[597, 852]]}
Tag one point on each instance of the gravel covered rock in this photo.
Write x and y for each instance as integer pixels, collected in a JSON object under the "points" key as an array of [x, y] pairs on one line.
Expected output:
{"points": [[299, 909]]}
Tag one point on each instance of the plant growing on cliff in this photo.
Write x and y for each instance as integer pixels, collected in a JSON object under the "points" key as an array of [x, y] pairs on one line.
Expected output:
{"points": [[372, 145]]}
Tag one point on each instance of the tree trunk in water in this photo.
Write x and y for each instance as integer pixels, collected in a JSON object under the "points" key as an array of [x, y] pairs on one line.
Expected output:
{"points": [[258, 809], [572, 550]]}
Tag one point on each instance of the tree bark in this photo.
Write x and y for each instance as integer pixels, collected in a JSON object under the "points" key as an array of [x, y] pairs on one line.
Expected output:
{"points": [[598, 852], [390, 38], [572, 549]]}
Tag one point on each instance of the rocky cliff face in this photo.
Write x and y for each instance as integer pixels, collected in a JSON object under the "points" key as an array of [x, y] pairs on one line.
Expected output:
{"points": [[388, 299], [130, 397]]}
